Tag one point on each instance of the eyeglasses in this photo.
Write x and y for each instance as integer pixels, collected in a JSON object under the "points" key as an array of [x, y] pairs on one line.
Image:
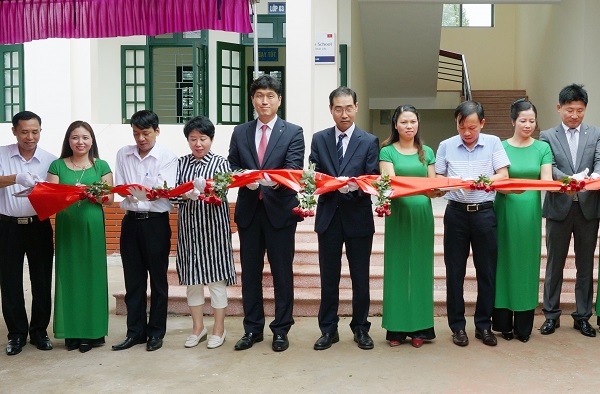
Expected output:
{"points": [[348, 110]]}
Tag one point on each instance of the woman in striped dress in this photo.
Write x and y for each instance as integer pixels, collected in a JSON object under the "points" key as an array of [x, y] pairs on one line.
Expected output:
{"points": [[204, 253]]}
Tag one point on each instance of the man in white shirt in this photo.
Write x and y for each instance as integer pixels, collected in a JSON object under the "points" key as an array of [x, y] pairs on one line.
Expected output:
{"points": [[145, 232], [22, 165]]}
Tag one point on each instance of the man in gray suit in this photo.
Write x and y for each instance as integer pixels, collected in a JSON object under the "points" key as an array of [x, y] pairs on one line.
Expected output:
{"points": [[576, 150]]}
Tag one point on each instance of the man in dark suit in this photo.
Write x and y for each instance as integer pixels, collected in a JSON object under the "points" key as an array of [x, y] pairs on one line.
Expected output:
{"points": [[575, 150], [344, 217], [263, 213]]}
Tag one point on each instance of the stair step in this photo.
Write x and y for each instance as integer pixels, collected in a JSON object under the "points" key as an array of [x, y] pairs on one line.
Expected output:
{"points": [[307, 302]]}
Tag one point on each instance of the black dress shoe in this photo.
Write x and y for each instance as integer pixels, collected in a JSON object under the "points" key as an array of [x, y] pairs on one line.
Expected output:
{"points": [[248, 340], [15, 346], [486, 336], [154, 343], [460, 338], [280, 342], [72, 343], [363, 339], [549, 326], [585, 327], [85, 346], [128, 342], [42, 342], [326, 340], [508, 335], [523, 339]]}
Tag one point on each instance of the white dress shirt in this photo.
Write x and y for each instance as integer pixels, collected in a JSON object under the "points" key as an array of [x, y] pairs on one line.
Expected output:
{"points": [[158, 166], [11, 162], [345, 141], [259, 126]]}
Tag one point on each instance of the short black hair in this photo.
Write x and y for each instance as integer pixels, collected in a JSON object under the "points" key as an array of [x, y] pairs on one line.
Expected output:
{"points": [[467, 108], [144, 119], [201, 124], [25, 115], [573, 92], [265, 82], [342, 91]]}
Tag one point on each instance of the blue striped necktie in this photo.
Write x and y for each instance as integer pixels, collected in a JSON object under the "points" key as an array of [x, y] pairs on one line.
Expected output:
{"points": [[573, 145], [340, 147]]}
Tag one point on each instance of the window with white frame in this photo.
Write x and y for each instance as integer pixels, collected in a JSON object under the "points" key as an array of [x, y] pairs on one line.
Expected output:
{"points": [[468, 15]]}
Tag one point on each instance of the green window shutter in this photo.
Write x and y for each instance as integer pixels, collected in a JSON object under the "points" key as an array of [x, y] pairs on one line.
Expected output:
{"points": [[12, 89], [134, 80], [230, 83]]}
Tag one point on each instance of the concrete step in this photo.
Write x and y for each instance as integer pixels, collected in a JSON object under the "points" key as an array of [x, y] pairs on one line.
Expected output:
{"points": [[307, 302], [308, 276]]}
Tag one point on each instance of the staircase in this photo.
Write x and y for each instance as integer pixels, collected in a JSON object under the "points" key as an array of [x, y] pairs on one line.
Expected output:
{"points": [[496, 104], [306, 277]]}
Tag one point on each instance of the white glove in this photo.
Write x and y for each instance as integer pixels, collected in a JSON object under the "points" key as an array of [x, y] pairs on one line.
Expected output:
{"points": [[26, 179], [199, 183], [580, 176], [594, 176], [138, 192], [344, 189], [252, 186], [266, 181], [352, 186], [193, 194]]}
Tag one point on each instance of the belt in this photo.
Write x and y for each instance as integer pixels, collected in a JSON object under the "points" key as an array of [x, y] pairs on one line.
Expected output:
{"points": [[471, 207], [145, 215], [21, 220]]}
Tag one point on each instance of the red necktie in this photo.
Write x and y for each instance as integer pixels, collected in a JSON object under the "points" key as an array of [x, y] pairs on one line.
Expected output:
{"points": [[262, 146]]}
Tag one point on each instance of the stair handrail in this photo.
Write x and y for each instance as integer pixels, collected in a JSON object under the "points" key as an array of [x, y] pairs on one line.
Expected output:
{"points": [[466, 84]]}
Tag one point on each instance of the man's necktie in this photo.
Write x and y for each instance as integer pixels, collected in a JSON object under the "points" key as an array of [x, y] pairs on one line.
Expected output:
{"points": [[262, 146], [340, 147], [573, 145]]}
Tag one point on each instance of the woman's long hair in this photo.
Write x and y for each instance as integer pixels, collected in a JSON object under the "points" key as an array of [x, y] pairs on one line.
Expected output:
{"points": [[395, 136]]}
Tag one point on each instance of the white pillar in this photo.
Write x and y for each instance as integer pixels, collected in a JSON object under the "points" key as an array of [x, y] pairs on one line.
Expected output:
{"points": [[308, 85]]}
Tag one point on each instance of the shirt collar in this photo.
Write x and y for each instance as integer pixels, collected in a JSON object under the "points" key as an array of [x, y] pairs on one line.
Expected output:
{"points": [[566, 128], [348, 132], [271, 124], [133, 150], [14, 151], [480, 141]]}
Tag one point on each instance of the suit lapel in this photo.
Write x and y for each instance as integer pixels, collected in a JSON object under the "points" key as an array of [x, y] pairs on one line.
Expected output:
{"points": [[352, 145], [332, 149], [562, 140], [583, 137], [276, 133], [251, 135]]}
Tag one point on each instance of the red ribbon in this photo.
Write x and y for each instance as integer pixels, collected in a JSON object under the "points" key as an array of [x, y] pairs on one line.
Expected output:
{"points": [[49, 198]]}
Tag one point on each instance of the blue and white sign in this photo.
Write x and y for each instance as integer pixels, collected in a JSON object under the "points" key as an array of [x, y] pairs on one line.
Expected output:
{"points": [[325, 48], [276, 8]]}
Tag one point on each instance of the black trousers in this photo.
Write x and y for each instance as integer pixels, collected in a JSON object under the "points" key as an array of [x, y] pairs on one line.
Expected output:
{"points": [[519, 322], [145, 247], [35, 241], [279, 244], [477, 230], [358, 252]]}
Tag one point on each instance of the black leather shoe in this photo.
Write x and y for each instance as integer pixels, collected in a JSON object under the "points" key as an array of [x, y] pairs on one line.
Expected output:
{"points": [[523, 339], [585, 327], [549, 326], [460, 338], [85, 346], [72, 343], [363, 339], [154, 343], [42, 343], [248, 340], [280, 342], [128, 342], [15, 346], [486, 336], [508, 335], [326, 340]]}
